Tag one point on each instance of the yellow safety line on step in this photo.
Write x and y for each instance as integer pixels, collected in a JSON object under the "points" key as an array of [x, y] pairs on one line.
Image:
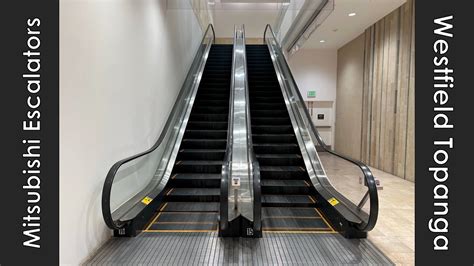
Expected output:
{"points": [[324, 219], [163, 207], [153, 221], [311, 198], [169, 191]]}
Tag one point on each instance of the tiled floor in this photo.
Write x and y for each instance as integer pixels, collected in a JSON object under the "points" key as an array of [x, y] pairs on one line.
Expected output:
{"points": [[394, 233]]}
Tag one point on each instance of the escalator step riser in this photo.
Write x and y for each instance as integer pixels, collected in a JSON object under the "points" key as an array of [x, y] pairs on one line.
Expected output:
{"points": [[210, 109], [205, 134], [192, 198], [267, 113], [203, 144], [283, 138], [285, 190], [276, 149], [207, 156], [195, 183], [207, 125], [270, 121], [281, 161], [272, 130], [281, 175], [210, 169], [288, 204], [209, 117]]}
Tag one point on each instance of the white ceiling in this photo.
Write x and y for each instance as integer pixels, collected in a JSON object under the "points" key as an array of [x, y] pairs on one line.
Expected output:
{"points": [[255, 14], [339, 28]]}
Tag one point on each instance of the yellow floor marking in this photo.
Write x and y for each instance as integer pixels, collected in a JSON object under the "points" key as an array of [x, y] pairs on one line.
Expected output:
{"points": [[324, 219], [153, 221], [306, 182], [311, 198]]}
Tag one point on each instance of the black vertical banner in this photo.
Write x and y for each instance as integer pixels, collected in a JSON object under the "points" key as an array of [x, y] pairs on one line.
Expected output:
{"points": [[29, 108], [444, 133]]}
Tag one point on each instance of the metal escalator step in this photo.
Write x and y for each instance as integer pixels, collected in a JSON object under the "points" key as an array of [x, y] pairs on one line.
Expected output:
{"points": [[201, 154], [287, 201], [196, 176], [209, 117], [295, 224], [195, 191], [258, 113], [208, 125], [205, 134], [273, 138], [185, 221], [282, 129], [183, 227], [283, 183], [204, 143], [271, 121], [283, 172], [193, 180], [285, 186], [269, 148], [280, 159], [197, 217], [269, 212], [190, 207], [198, 166]]}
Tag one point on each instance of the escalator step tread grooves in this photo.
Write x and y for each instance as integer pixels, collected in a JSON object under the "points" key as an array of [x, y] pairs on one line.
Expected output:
{"points": [[288, 203], [191, 200]]}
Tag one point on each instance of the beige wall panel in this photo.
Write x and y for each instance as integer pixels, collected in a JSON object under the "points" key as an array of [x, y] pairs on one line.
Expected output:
{"points": [[387, 112], [410, 152], [401, 119], [350, 80]]}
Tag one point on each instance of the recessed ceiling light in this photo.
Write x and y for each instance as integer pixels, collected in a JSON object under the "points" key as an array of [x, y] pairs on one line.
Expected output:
{"points": [[351, 14], [322, 41], [286, 3]]}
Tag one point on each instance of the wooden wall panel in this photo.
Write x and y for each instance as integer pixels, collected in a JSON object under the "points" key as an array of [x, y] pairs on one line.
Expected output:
{"points": [[350, 82], [410, 147], [387, 131]]}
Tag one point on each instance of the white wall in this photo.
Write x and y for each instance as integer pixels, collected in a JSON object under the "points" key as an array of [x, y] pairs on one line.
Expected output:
{"points": [[316, 69], [122, 65]]}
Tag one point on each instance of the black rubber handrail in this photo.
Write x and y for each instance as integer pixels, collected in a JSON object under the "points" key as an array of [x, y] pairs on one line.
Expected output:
{"points": [[109, 179], [368, 176], [224, 195]]}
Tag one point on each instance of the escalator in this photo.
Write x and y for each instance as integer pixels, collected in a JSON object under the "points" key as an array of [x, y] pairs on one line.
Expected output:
{"points": [[191, 197], [237, 155], [288, 199]]}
